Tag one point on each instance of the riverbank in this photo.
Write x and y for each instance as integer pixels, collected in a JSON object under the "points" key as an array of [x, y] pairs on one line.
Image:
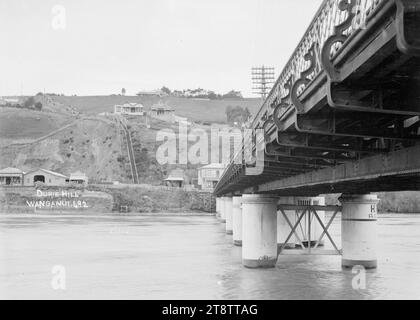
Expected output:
{"points": [[148, 200], [132, 200]]}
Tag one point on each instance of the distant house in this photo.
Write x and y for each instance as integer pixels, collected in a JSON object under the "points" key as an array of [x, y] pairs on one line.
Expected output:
{"points": [[135, 109], [196, 93], [11, 177], [181, 119], [4, 101], [49, 178], [209, 175], [79, 178], [175, 178], [153, 93], [163, 112]]}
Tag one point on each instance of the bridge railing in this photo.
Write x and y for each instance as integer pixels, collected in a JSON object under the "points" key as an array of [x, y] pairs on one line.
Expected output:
{"points": [[334, 17], [349, 15]]}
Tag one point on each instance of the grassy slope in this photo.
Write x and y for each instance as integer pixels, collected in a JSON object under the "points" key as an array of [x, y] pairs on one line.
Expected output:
{"points": [[196, 110], [24, 123]]}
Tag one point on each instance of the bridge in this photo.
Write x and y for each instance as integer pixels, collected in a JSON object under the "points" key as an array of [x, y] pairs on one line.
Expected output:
{"points": [[342, 117]]}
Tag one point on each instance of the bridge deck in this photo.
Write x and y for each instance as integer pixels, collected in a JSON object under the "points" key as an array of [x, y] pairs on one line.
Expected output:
{"points": [[348, 98]]}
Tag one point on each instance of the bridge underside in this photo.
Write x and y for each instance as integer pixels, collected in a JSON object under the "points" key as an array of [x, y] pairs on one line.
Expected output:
{"points": [[348, 120]]}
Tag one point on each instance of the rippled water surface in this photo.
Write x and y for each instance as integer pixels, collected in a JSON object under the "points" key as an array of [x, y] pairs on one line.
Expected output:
{"points": [[186, 258]]}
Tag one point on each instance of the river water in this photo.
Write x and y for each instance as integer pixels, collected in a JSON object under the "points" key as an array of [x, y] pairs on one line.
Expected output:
{"points": [[111, 257]]}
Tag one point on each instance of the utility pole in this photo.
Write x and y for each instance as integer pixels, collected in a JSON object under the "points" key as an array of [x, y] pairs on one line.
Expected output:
{"points": [[262, 80]]}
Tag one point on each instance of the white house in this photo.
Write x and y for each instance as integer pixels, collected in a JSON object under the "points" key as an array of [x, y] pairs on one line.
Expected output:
{"points": [[11, 177], [209, 175], [79, 178], [153, 93], [135, 109], [163, 112], [175, 178]]}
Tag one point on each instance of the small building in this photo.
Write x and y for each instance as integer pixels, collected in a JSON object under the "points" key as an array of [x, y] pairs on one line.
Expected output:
{"points": [[152, 93], [209, 175], [11, 177], [79, 178], [135, 109], [163, 112], [8, 101], [175, 178], [49, 178]]}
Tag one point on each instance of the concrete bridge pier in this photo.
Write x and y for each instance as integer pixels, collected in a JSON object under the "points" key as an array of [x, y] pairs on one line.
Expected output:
{"points": [[237, 220], [228, 215], [217, 207], [222, 209], [259, 230], [358, 230]]}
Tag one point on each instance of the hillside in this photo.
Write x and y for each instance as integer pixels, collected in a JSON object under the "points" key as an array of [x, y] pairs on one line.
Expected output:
{"points": [[194, 109], [64, 142], [20, 124], [146, 146], [89, 144], [60, 139]]}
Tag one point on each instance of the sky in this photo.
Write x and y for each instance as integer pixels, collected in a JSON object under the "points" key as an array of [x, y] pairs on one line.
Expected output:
{"points": [[95, 47]]}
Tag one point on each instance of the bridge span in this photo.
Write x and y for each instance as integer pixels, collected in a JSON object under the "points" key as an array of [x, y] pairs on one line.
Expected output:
{"points": [[342, 117]]}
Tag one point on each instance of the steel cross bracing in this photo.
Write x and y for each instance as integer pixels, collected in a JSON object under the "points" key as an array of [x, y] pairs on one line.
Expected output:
{"points": [[306, 212]]}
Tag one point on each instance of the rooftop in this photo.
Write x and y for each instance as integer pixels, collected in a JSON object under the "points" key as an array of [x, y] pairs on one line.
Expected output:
{"points": [[11, 171]]}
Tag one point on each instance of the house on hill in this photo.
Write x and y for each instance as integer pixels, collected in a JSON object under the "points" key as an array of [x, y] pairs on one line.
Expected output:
{"points": [[135, 109], [11, 177], [163, 112], [49, 178], [79, 178], [175, 178], [153, 93], [209, 175]]}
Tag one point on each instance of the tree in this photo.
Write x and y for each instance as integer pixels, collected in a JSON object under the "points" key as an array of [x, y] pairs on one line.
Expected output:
{"points": [[213, 96], [237, 114], [123, 91], [38, 106], [232, 95], [166, 90], [29, 103]]}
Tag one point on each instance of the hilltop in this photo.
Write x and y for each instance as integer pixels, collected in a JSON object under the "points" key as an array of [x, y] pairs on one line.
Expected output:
{"points": [[199, 110]]}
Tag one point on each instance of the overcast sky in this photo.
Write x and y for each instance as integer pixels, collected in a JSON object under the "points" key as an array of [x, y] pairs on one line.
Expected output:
{"points": [[143, 45]]}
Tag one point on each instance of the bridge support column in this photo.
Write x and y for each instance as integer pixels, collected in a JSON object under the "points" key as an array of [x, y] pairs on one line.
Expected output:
{"points": [[358, 230], [237, 220], [311, 227], [223, 209], [259, 227], [283, 227], [228, 215]]}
